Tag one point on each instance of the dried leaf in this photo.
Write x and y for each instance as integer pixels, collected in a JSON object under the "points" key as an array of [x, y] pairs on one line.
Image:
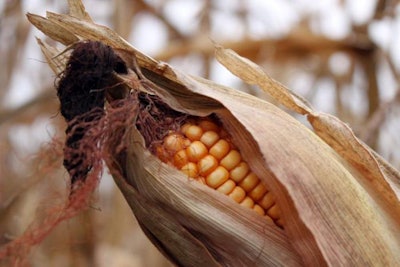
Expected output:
{"points": [[333, 131], [51, 29], [55, 60], [77, 9], [341, 138], [251, 73]]}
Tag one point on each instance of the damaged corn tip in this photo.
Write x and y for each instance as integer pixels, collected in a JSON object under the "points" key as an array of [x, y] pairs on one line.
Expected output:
{"points": [[203, 151]]}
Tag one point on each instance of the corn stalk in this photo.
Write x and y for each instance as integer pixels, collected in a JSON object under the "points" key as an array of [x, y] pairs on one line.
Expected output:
{"points": [[338, 198]]}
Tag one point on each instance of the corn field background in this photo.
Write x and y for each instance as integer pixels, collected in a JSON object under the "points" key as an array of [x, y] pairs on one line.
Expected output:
{"points": [[342, 56]]}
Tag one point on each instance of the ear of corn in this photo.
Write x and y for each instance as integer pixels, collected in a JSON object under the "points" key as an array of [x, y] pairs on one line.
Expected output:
{"points": [[340, 202], [202, 150]]}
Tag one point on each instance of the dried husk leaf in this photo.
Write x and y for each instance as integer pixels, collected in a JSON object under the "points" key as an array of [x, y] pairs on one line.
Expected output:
{"points": [[55, 60], [335, 205], [85, 30], [311, 181], [333, 131], [53, 30], [204, 216], [341, 138], [376, 179], [77, 9], [253, 74], [165, 232]]}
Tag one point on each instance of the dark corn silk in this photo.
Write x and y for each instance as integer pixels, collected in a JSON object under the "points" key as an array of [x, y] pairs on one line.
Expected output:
{"points": [[82, 92]]}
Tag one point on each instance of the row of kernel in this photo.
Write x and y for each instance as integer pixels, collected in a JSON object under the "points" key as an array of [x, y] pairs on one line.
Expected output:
{"points": [[217, 175]]}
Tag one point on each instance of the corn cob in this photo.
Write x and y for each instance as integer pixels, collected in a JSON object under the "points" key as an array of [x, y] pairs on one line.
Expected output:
{"points": [[203, 151]]}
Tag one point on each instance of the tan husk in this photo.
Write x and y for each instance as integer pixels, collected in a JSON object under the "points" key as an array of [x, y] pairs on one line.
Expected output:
{"points": [[333, 131], [378, 179], [310, 180], [200, 216], [339, 201]]}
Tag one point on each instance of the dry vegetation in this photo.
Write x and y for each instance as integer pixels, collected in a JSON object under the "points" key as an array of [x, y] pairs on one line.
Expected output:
{"points": [[351, 74]]}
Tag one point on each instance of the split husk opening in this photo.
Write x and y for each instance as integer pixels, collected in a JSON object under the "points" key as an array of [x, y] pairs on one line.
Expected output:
{"points": [[196, 209], [339, 200]]}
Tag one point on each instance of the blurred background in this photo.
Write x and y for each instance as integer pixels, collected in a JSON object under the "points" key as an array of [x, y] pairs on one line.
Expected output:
{"points": [[341, 55]]}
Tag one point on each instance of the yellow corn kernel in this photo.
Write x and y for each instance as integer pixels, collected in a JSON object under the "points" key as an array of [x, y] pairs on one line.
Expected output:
{"points": [[270, 219], [216, 178], [196, 151], [231, 160], [207, 125], [207, 164], [190, 170], [180, 158], [209, 138], [162, 154], [239, 172], [175, 142], [227, 187], [204, 151], [267, 201], [258, 192], [185, 127], [257, 208], [247, 202], [238, 194], [220, 149], [274, 212], [194, 132], [249, 182]]}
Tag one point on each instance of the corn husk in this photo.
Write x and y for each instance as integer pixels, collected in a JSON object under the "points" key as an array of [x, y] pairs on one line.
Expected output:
{"points": [[339, 200]]}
